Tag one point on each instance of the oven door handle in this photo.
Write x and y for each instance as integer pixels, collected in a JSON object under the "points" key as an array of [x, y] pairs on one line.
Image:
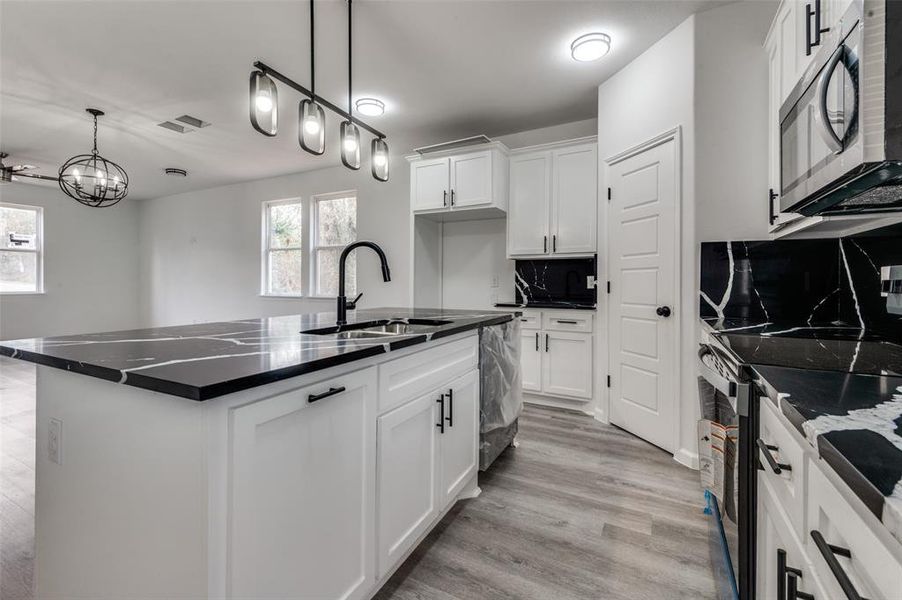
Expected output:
{"points": [[828, 134]]}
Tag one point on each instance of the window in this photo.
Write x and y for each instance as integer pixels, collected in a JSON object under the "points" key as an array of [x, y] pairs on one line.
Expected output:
{"points": [[283, 250], [335, 217], [302, 242], [21, 249]]}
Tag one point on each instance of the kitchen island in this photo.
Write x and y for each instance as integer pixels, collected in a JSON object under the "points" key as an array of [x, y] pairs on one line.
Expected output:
{"points": [[269, 458]]}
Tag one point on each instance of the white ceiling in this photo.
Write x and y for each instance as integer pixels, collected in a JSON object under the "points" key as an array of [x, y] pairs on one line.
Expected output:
{"points": [[446, 69]]}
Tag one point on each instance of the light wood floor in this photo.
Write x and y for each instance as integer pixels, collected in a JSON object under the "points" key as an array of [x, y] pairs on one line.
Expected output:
{"points": [[579, 510]]}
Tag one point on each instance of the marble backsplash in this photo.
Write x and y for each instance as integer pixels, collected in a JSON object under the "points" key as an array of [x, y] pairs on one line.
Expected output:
{"points": [[803, 282], [560, 280]]}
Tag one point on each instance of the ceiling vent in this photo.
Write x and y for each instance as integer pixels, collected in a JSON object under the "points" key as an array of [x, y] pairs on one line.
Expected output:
{"points": [[186, 124], [453, 145]]}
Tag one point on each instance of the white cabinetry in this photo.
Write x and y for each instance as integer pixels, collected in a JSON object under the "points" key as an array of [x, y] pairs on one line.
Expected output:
{"points": [[556, 353], [460, 186], [302, 513], [553, 200], [458, 440]]}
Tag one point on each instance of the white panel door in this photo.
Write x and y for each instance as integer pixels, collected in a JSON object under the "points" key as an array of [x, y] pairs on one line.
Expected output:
{"points": [[530, 204], [406, 483], [643, 259], [430, 183], [459, 444], [471, 179], [302, 481], [574, 200], [531, 360], [567, 364]]}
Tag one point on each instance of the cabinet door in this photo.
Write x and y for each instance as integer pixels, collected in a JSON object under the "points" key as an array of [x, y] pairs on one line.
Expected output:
{"points": [[530, 204], [471, 179], [773, 129], [429, 184], [459, 444], [790, 44], [301, 486], [567, 364], [531, 360], [407, 483], [574, 200]]}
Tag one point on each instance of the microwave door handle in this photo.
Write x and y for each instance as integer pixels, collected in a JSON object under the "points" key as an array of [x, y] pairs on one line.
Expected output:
{"points": [[828, 134]]}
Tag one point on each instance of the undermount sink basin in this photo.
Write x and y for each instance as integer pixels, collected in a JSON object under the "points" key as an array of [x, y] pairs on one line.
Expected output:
{"points": [[377, 329]]}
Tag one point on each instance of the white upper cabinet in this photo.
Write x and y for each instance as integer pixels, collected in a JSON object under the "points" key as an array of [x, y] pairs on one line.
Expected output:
{"points": [[466, 185], [573, 200], [553, 201], [527, 222]]}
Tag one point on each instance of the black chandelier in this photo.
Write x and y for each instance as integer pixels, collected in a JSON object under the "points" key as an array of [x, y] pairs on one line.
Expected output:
{"points": [[92, 179], [264, 108]]}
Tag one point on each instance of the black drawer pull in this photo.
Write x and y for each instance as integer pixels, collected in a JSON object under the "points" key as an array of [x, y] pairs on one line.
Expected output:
{"points": [[331, 392], [792, 589], [450, 417], [829, 552], [776, 467], [567, 322], [537, 341], [546, 342], [441, 418], [788, 580]]}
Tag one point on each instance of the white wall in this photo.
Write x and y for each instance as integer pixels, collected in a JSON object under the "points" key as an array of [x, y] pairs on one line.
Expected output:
{"points": [[90, 267], [200, 251], [709, 77], [473, 258]]}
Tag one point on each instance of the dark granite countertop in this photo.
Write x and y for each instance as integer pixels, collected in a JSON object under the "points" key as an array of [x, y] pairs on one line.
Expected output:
{"points": [[560, 305], [207, 360]]}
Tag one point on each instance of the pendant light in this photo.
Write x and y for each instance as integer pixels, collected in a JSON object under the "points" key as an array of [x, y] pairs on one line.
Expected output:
{"points": [[350, 135], [311, 118], [264, 104], [379, 157], [92, 179]]}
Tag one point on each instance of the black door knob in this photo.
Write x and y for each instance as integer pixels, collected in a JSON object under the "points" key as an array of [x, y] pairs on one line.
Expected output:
{"points": [[663, 311]]}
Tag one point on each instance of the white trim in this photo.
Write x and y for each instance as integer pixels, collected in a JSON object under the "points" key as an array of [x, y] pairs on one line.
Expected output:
{"points": [[265, 249], [676, 135], [313, 237], [589, 139], [38, 250]]}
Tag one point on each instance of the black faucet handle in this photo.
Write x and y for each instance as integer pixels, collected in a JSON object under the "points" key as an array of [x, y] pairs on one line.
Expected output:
{"points": [[352, 304]]}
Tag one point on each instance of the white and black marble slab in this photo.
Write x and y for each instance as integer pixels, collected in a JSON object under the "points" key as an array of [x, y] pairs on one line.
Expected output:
{"points": [[555, 283], [206, 360], [557, 305], [855, 423]]}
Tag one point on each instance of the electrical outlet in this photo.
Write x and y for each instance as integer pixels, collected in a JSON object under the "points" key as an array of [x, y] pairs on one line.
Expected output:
{"points": [[496, 281], [590, 282], [55, 441]]}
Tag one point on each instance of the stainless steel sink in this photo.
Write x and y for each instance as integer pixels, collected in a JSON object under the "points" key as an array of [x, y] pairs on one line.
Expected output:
{"points": [[377, 329]]}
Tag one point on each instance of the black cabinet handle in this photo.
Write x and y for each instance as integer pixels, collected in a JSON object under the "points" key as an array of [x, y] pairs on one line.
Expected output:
{"points": [[441, 418], [331, 392], [450, 417], [788, 580], [544, 243], [452, 197], [808, 42], [537, 341], [813, 34], [566, 322], [792, 589], [776, 467], [772, 196], [444, 197], [829, 552], [554, 243], [546, 342]]}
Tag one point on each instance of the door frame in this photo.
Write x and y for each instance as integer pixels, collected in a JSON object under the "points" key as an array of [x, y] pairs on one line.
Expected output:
{"points": [[604, 411]]}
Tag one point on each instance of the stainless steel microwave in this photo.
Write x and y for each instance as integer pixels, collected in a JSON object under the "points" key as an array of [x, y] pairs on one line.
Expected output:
{"points": [[841, 126]]}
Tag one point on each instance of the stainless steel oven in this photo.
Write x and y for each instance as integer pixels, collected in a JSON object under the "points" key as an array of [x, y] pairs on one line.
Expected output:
{"points": [[841, 126]]}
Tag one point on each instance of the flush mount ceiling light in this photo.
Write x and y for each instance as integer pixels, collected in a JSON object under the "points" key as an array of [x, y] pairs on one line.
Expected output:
{"points": [[263, 103], [92, 179], [590, 46], [175, 172], [370, 107]]}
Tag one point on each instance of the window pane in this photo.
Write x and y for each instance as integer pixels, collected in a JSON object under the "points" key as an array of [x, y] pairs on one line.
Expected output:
{"points": [[18, 272], [286, 225], [285, 272], [327, 273], [336, 221], [18, 228]]}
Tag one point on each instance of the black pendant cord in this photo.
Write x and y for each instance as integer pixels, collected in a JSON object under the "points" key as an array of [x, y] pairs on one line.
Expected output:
{"points": [[350, 61], [312, 53], [95, 135]]}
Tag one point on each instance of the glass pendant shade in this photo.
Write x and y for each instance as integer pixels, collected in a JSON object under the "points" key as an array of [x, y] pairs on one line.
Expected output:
{"points": [[379, 159], [311, 127], [350, 145], [264, 104]]}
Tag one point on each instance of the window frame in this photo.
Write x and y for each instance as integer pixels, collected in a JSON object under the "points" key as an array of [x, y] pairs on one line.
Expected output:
{"points": [[315, 246], [38, 250], [267, 250]]}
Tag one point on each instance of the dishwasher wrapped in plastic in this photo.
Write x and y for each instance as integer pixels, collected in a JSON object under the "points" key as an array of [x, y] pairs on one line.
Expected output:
{"points": [[500, 396], [718, 444]]}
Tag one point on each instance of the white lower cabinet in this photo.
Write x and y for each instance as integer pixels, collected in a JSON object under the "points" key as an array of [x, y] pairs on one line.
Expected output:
{"points": [[302, 485], [530, 361], [427, 453], [567, 364]]}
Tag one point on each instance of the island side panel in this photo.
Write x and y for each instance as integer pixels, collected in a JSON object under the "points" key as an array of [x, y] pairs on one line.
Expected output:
{"points": [[124, 514]]}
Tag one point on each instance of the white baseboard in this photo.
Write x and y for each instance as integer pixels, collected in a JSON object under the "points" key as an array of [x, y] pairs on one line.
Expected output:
{"points": [[600, 415], [686, 458], [583, 406]]}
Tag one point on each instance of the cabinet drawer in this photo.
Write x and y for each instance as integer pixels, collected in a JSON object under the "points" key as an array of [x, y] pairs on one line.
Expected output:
{"points": [[871, 567], [406, 378], [789, 485], [567, 320], [531, 320]]}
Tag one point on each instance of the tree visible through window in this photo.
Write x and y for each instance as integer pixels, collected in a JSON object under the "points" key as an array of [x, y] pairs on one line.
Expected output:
{"points": [[335, 217], [283, 248], [21, 245]]}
